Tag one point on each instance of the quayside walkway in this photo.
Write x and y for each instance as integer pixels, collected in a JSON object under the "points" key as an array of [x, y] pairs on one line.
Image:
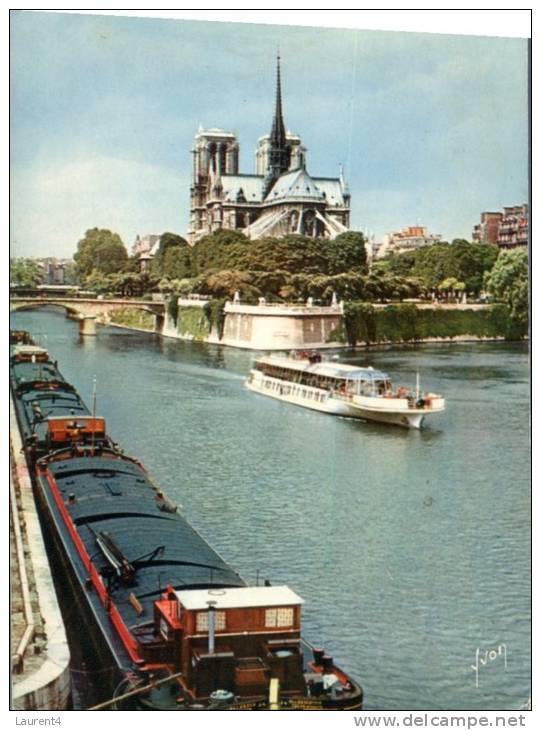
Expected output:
{"points": [[39, 649]]}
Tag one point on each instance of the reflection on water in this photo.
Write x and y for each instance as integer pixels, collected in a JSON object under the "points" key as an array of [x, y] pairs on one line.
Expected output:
{"points": [[411, 549]]}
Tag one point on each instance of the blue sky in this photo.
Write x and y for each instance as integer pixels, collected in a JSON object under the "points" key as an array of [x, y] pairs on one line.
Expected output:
{"points": [[431, 129]]}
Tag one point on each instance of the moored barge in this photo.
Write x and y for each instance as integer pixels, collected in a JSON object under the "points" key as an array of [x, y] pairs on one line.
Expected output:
{"points": [[183, 629]]}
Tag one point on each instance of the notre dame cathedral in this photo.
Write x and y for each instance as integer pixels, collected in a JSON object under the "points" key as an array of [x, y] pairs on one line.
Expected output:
{"points": [[280, 198]]}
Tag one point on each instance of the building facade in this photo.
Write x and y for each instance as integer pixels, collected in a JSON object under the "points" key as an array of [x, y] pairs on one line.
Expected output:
{"points": [[408, 239], [280, 198], [507, 229], [145, 248], [514, 227], [487, 230], [148, 244]]}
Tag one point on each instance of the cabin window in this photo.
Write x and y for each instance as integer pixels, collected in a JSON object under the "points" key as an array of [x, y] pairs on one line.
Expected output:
{"points": [[164, 628], [275, 617], [202, 621]]}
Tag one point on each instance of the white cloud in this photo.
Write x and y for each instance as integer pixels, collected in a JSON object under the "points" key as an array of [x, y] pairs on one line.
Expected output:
{"points": [[53, 202]]}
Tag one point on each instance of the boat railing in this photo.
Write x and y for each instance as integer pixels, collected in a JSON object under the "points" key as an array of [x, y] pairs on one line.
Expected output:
{"points": [[404, 398]]}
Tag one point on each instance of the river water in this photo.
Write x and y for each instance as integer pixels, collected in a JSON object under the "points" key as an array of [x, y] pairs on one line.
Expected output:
{"points": [[410, 548]]}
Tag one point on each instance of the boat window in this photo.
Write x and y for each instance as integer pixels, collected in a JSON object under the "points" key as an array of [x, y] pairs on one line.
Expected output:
{"points": [[275, 617], [202, 621]]}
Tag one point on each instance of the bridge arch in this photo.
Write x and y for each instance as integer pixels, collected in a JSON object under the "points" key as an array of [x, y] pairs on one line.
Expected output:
{"points": [[88, 310], [18, 306]]}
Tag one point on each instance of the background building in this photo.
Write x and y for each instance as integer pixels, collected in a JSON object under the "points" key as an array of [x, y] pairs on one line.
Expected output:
{"points": [[507, 229], [408, 239], [487, 230], [145, 248], [280, 198], [514, 227], [148, 244]]}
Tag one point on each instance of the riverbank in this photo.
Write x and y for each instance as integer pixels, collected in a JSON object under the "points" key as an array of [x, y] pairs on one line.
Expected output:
{"points": [[272, 326], [40, 653], [458, 339], [128, 327]]}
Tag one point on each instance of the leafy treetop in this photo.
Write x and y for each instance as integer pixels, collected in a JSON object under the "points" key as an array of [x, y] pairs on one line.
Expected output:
{"points": [[25, 272], [508, 282], [102, 251]]}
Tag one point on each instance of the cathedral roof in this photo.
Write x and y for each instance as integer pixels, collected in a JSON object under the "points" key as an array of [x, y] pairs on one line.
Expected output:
{"points": [[296, 184], [332, 188], [250, 185]]}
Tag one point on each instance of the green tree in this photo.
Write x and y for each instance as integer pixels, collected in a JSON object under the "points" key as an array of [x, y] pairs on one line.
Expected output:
{"points": [[399, 264], [224, 249], [508, 283], [225, 283], [228, 250], [296, 288], [464, 261], [346, 253], [431, 264], [468, 262], [346, 286], [173, 258], [25, 272], [168, 240], [101, 251], [132, 265], [99, 283], [293, 253], [360, 323], [484, 258], [70, 273], [270, 283], [131, 284], [448, 286], [415, 287], [176, 263]]}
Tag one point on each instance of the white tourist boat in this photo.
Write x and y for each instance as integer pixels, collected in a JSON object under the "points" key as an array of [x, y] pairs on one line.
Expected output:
{"points": [[344, 390]]}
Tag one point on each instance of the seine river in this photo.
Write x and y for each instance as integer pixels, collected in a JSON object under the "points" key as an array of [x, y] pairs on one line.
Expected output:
{"points": [[411, 549]]}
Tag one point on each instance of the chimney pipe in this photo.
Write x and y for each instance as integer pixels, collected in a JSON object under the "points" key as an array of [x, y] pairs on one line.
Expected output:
{"points": [[212, 625]]}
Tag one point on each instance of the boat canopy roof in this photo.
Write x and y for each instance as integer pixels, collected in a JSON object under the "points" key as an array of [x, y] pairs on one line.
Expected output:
{"points": [[326, 369], [29, 350], [244, 597]]}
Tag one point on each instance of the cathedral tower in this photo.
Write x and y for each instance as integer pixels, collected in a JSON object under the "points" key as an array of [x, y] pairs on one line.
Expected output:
{"points": [[215, 152], [281, 198]]}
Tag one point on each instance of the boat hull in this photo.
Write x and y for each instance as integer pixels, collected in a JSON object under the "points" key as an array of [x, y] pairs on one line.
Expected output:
{"points": [[325, 402]]}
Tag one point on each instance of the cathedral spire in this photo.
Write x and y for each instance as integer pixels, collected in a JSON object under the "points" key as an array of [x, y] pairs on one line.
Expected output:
{"points": [[278, 132], [278, 152]]}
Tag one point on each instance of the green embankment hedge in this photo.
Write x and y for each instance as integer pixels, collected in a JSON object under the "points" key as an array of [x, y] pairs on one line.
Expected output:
{"points": [[199, 322], [193, 322], [136, 318], [406, 323], [364, 323]]}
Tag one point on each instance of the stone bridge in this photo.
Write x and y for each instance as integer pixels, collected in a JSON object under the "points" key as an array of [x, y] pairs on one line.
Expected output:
{"points": [[88, 311]]}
